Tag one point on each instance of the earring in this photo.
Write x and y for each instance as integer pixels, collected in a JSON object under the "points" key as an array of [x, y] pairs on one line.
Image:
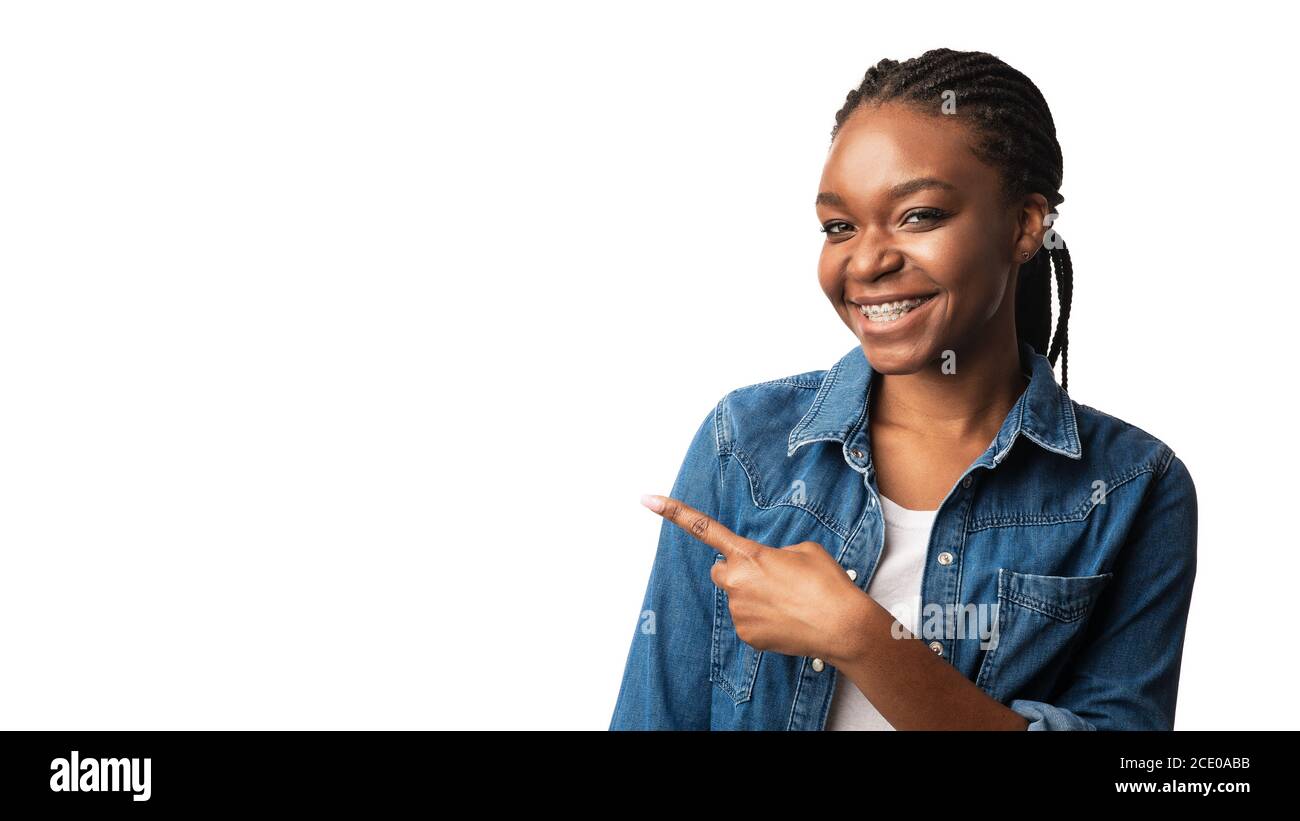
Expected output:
{"points": [[1024, 255]]}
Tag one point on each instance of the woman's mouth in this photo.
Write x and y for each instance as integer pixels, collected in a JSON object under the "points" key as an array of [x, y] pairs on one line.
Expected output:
{"points": [[889, 312]]}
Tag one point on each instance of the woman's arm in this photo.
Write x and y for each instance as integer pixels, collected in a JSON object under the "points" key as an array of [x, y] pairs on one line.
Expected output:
{"points": [[909, 685]]}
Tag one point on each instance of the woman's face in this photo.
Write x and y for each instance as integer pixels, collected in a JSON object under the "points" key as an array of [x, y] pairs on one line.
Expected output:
{"points": [[911, 212]]}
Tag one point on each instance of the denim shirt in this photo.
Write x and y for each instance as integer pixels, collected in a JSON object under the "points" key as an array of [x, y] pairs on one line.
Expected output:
{"points": [[1058, 575]]}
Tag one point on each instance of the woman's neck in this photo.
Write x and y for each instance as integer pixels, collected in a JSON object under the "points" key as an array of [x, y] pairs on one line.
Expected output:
{"points": [[970, 402]]}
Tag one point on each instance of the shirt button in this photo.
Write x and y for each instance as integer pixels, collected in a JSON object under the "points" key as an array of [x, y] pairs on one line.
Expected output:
{"points": [[853, 574], [857, 454], [818, 665], [945, 558], [966, 482], [936, 647]]}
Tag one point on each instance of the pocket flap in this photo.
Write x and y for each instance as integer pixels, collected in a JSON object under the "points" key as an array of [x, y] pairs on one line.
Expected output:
{"points": [[1064, 598]]}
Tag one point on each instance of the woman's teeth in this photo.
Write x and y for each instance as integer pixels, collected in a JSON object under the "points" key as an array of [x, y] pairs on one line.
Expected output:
{"points": [[891, 311]]}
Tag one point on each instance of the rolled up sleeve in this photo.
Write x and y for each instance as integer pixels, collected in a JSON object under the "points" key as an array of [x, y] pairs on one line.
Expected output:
{"points": [[1126, 674], [665, 682], [1044, 716]]}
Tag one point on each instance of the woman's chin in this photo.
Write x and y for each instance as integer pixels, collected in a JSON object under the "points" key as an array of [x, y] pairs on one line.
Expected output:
{"points": [[901, 356]]}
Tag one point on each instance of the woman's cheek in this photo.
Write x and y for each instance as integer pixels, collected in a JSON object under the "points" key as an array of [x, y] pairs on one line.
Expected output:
{"points": [[831, 283]]}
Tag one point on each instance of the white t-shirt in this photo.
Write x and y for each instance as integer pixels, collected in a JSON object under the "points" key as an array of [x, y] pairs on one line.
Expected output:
{"points": [[896, 586]]}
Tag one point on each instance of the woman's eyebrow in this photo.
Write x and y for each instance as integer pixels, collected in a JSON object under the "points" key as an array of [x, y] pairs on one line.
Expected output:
{"points": [[833, 200], [919, 184]]}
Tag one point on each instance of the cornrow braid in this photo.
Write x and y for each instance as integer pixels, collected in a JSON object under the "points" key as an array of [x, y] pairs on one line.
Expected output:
{"points": [[1018, 137]]}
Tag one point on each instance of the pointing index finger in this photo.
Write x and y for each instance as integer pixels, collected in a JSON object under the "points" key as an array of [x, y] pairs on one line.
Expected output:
{"points": [[700, 525]]}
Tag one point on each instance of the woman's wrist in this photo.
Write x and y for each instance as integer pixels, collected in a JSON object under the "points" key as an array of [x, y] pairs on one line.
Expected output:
{"points": [[860, 626]]}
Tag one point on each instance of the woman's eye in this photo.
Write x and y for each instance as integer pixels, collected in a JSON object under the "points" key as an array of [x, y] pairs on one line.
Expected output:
{"points": [[924, 215], [829, 228]]}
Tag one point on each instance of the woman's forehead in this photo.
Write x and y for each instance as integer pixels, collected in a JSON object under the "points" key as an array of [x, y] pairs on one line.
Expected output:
{"points": [[878, 149]]}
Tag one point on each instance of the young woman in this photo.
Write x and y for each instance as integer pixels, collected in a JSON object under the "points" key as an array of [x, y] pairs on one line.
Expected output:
{"points": [[931, 534]]}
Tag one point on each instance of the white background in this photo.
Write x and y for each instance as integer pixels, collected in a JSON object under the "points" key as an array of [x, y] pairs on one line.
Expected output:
{"points": [[338, 340]]}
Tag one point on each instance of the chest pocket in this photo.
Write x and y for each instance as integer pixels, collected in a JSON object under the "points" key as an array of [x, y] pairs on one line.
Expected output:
{"points": [[1039, 621], [735, 663]]}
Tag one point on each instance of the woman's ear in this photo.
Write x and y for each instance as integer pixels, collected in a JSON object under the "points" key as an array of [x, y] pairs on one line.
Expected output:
{"points": [[1032, 224]]}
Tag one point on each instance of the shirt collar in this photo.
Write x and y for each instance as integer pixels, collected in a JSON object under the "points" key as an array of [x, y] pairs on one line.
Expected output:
{"points": [[1044, 412]]}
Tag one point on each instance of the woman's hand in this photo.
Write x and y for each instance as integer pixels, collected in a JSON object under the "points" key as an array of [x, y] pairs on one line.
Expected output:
{"points": [[795, 600]]}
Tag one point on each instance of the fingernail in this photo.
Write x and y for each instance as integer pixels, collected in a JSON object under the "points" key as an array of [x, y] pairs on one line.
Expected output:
{"points": [[655, 503]]}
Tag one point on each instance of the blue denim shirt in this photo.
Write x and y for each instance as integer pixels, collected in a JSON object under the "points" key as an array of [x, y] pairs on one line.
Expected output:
{"points": [[1058, 576]]}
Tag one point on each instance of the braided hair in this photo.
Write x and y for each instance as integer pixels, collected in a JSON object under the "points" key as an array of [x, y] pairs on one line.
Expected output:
{"points": [[1017, 136]]}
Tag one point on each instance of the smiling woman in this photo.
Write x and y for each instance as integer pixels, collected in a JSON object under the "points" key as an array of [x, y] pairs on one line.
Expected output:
{"points": [[975, 145], [931, 533]]}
